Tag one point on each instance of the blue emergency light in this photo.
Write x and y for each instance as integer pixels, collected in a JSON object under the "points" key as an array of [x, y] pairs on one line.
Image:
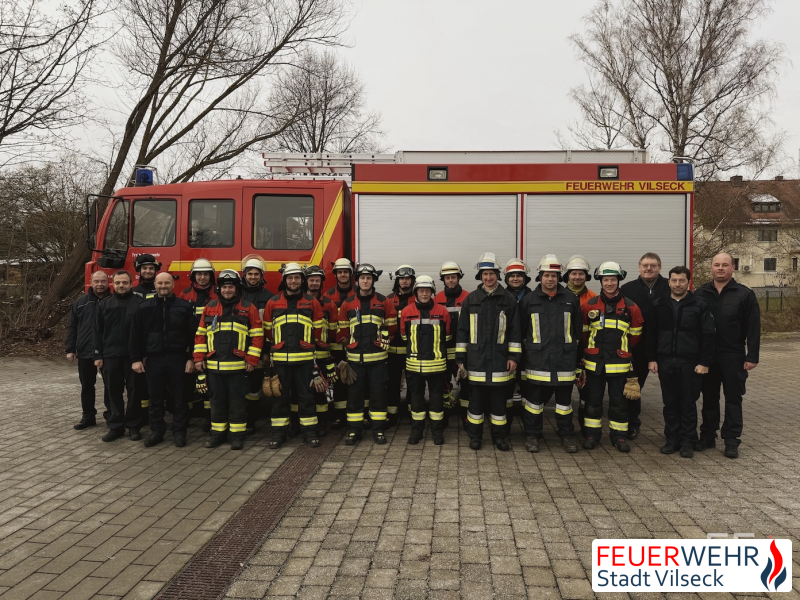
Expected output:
{"points": [[685, 171], [143, 176]]}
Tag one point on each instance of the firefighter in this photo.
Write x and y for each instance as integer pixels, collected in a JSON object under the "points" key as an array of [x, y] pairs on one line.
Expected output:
{"points": [[146, 266], [612, 325], [343, 287], [452, 297], [367, 323], [402, 293], [488, 349], [552, 324], [737, 317], [517, 278], [680, 348], [227, 346], [293, 326], [643, 291], [162, 336], [315, 277], [80, 347], [576, 274], [199, 294], [255, 292], [110, 335], [425, 326]]}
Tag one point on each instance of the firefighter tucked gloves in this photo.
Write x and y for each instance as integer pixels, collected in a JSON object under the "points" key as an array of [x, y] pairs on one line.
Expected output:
{"points": [[632, 391], [383, 341], [330, 372], [271, 386], [346, 373], [318, 383], [201, 386]]}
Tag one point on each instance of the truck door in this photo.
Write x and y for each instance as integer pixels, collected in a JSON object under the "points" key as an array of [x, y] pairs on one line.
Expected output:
{"points": [[154, 229]]}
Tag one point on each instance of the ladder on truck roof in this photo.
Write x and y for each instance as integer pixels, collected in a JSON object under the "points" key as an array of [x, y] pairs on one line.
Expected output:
{"points": [[338, 165]]}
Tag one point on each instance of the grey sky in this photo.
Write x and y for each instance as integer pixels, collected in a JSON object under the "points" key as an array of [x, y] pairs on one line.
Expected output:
{"points": [[477, 75]]}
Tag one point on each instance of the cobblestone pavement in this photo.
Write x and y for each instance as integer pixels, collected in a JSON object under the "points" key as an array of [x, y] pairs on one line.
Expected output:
{"points": [[83, 519]]}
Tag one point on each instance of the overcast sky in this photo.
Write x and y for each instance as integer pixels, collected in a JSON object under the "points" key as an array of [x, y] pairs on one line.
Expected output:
{"points": [[477, 75]]}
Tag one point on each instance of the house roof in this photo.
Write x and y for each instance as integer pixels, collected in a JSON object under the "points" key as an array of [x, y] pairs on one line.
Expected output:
{"points": [[723, 202]]}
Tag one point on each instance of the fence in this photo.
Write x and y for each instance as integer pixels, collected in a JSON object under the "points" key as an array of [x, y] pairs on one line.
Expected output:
{"points": [[777, 299]]}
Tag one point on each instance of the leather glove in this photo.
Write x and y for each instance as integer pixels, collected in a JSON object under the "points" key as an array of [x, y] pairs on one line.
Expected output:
{"points": [[318, 381], [266, 387], [346, 373], [632, 391], [462, 373], [580, 378], [383, 340], [201, 386], [275, 385], [330, 373]]}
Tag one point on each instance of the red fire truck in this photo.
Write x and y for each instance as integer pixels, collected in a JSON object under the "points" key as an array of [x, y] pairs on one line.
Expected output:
{"points": [[418, 208]]}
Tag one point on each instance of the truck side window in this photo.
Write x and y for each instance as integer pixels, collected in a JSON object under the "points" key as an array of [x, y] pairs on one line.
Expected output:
{"points": [[211, 223], [117, 231], [283, 222], [154, 223]]}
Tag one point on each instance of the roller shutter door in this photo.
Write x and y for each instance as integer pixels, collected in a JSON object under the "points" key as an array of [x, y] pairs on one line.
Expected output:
{"points": [[608, 227], [425, 231]]}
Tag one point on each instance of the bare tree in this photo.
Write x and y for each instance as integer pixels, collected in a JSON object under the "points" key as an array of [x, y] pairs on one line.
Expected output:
{"points": [[192, 64], [330, 99], [43, 58], [680, 77]]}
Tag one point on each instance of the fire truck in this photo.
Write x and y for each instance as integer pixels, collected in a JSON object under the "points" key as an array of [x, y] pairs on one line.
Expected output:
{"points": [[417, 208]]}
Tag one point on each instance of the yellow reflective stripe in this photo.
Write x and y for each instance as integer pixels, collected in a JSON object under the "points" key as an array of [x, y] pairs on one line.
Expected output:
{"points": [[474, 419], [390, 321], [280, 422], [255, 332], [536, 375], [145, 403], [618, 368], [498, 420], [293, 318], [238, 427], [219, 426], [590, 366], [308, 421], [371, 357], [253, 351], [355, 417], [216, 365], [201, 330], [535, 409], [463, 402], [318, 324], [563, 409], [501, 328], [340, 404], [207, 404], [515, 348], [565, 376], [267, 326], [635, 331], [252, 396], [364, 319], [201, 348], [322, 354], [292, 356], [321, 408], [436, 416], [568, 327], [473, 329], [536, 329], [198, 310], [451, 354], [428, 365], [503, 376], [596, 423], [617, 426], [397, 349]]}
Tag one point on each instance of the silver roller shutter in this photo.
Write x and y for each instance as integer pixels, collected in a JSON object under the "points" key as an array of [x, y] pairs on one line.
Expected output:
{"points": [[608, 227], [426, 230]]}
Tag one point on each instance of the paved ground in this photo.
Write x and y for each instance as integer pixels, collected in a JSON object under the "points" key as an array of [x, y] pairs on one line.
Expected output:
{"points": [[83, 519]]}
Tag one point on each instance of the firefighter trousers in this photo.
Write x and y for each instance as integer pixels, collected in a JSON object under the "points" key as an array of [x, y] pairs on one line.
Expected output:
{"points": [[295, 387], [680, 389], [371, 383], [228, 404], [635, 406], [583, 395], [434, 408], [340, 393], [165, 378], [493, 398], [617, 405], [396, 364], [255, 379], [119, 378], [727, 371], [87, 374], [536, 396]]}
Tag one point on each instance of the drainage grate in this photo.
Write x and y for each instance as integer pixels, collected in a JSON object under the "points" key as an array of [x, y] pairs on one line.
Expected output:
{"points": [[212, 570]]}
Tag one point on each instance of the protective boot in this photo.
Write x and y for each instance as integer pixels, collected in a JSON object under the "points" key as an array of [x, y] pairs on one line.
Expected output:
{"points": [[217, 439], [252, 417], [206, 421], [237, 441], [437, 431], [417, 432]]}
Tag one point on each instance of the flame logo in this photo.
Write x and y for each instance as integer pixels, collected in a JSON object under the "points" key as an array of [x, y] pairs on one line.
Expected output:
{"points": [[775, 572]]}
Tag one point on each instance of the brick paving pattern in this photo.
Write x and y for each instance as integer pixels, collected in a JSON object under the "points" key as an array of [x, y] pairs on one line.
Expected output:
{"points": [[84, 519]]}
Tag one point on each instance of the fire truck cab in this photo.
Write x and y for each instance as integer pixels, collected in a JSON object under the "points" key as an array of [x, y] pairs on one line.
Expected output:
{"points": [[418, 208]]}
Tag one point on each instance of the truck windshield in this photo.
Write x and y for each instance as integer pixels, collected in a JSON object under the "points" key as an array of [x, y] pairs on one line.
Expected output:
{"points": [[154, 223], [117, 232]]}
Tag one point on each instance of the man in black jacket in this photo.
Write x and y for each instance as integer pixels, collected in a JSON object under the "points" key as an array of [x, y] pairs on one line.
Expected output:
{"points": [[162, 335], [680, 349], [80, 347], [643, 291], [737, 317], [112, 326]]}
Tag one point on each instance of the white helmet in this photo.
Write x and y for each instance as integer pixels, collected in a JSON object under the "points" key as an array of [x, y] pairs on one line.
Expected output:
{"points": [[253, 261], [450, 268], [292, 269], [342, 263], [549, 264], [488, 260], [201, 265], [424, 281], [576, 263], [608, 269], [517, 265]]}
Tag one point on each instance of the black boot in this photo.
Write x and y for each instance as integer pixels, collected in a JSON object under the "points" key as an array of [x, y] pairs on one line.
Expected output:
{"points": [[85, 422], [237, 441], [252, 417], [437, 431], [206, 421], [217, 439], [417, 431]]}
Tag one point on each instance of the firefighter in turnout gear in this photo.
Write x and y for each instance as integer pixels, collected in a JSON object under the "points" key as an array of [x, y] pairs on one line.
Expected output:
{"points": [[315, 277], [293, 323], [452, 297], [343, 287], [227, 346], [255, 292], [517, 278], [367, 323], [576, 273], [488, 349], [402, 294], [199, 294], [612, 326], [552, 324], [425, 326]]}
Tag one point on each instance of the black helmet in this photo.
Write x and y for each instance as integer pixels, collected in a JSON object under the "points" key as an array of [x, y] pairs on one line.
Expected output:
{"points": [[146, 259], [367, 269], [228, 277], [403, 271], [314, 270]]}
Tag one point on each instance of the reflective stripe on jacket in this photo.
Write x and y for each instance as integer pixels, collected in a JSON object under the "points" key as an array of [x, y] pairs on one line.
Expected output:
{"points": [[426, 330], [551, 330], [400, 301], [361, 320], [453, 304], [293, 325], [610, 333], [230, 336]]}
